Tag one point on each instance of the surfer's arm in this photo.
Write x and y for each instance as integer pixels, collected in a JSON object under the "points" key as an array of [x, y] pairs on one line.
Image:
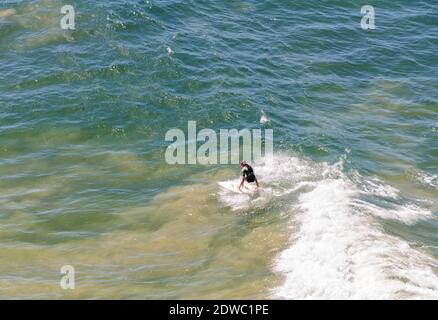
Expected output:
{"points": [[257, 183]]}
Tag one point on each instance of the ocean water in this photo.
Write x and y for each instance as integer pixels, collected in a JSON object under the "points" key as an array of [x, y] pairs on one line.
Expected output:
{"points": [[349, 202]]}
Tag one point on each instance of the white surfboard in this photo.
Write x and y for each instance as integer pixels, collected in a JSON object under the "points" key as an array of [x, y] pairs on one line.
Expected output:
{"points": [[233, 186]]}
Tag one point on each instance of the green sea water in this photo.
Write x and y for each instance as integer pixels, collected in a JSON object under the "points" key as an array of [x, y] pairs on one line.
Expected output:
{"points": [[349, 206]]}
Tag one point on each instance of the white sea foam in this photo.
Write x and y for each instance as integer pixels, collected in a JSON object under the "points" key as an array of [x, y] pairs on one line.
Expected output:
{"points": [[376, 187], [339, 253], [339, 250], [408, 214], [429, 180]]}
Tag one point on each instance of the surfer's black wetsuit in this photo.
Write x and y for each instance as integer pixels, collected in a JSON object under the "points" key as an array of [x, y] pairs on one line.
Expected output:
{"points": [[248, 173]]}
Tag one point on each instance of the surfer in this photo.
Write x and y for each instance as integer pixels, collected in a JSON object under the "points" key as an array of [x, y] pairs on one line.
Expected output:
{"points": [[247, 174]]}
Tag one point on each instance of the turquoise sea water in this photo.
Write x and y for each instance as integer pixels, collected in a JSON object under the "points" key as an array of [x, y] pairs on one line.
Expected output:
{"points": [[349, 207]]}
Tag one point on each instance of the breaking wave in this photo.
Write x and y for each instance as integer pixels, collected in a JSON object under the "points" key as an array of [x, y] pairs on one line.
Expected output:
{"points": [[338, 248]]}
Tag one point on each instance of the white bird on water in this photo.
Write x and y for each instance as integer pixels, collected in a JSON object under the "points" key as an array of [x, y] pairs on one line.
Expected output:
{"points": [[264, 118]]}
